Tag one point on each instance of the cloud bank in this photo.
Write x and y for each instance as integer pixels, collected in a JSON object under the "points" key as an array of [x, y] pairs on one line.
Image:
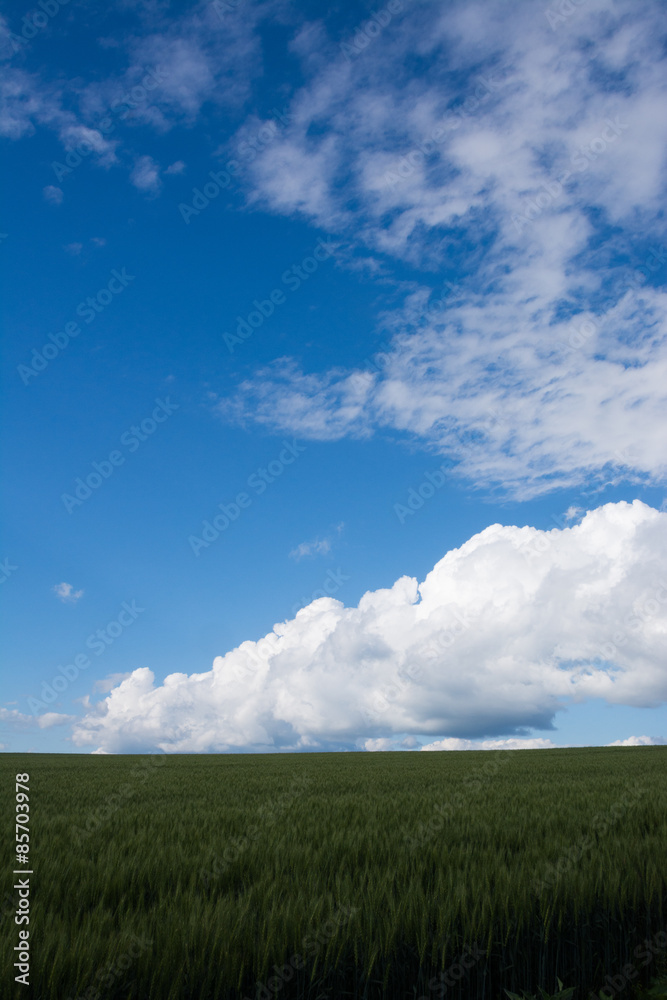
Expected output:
{"points": [[503, 633]]}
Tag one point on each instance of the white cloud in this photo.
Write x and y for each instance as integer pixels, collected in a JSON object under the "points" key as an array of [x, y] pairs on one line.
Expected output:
{"points": [[18, 720], [176, 64], [175, 168], [66, 593], [51, 719], [547, 414], [22, 102], [502, 634], [490, 377], [80, 139], [454, 744], [638, 741], [146, 175], [107, 683], [318, 546], [380, 744], [54, 195]]}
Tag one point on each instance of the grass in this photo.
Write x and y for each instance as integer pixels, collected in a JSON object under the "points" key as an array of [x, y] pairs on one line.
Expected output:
{"points": [[356, 875]]}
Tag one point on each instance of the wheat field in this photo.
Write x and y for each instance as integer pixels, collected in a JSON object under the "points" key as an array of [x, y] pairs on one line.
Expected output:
{"points": [[369, 875]]}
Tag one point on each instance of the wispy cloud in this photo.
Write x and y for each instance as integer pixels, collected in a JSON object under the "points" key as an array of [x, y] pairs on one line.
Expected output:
{"points": [[490, 377], [179, 63], [316, 546]]}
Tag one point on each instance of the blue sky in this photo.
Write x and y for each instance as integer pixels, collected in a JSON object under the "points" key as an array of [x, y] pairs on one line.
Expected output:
{"points": [[345, 329]]}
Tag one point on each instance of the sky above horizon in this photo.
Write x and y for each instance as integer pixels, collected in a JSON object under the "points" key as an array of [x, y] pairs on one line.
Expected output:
{"points": [[334, 375]]}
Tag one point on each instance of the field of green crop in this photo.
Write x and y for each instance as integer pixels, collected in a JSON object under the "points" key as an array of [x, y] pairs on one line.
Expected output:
{"points": [[366, 875]]}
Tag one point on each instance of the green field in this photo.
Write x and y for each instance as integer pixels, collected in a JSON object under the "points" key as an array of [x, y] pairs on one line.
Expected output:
{"points": [[394, 875]]}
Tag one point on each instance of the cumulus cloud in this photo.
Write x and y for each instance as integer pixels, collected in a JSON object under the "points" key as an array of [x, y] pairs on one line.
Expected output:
{"points": [[66, 593], [503, 633]]}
